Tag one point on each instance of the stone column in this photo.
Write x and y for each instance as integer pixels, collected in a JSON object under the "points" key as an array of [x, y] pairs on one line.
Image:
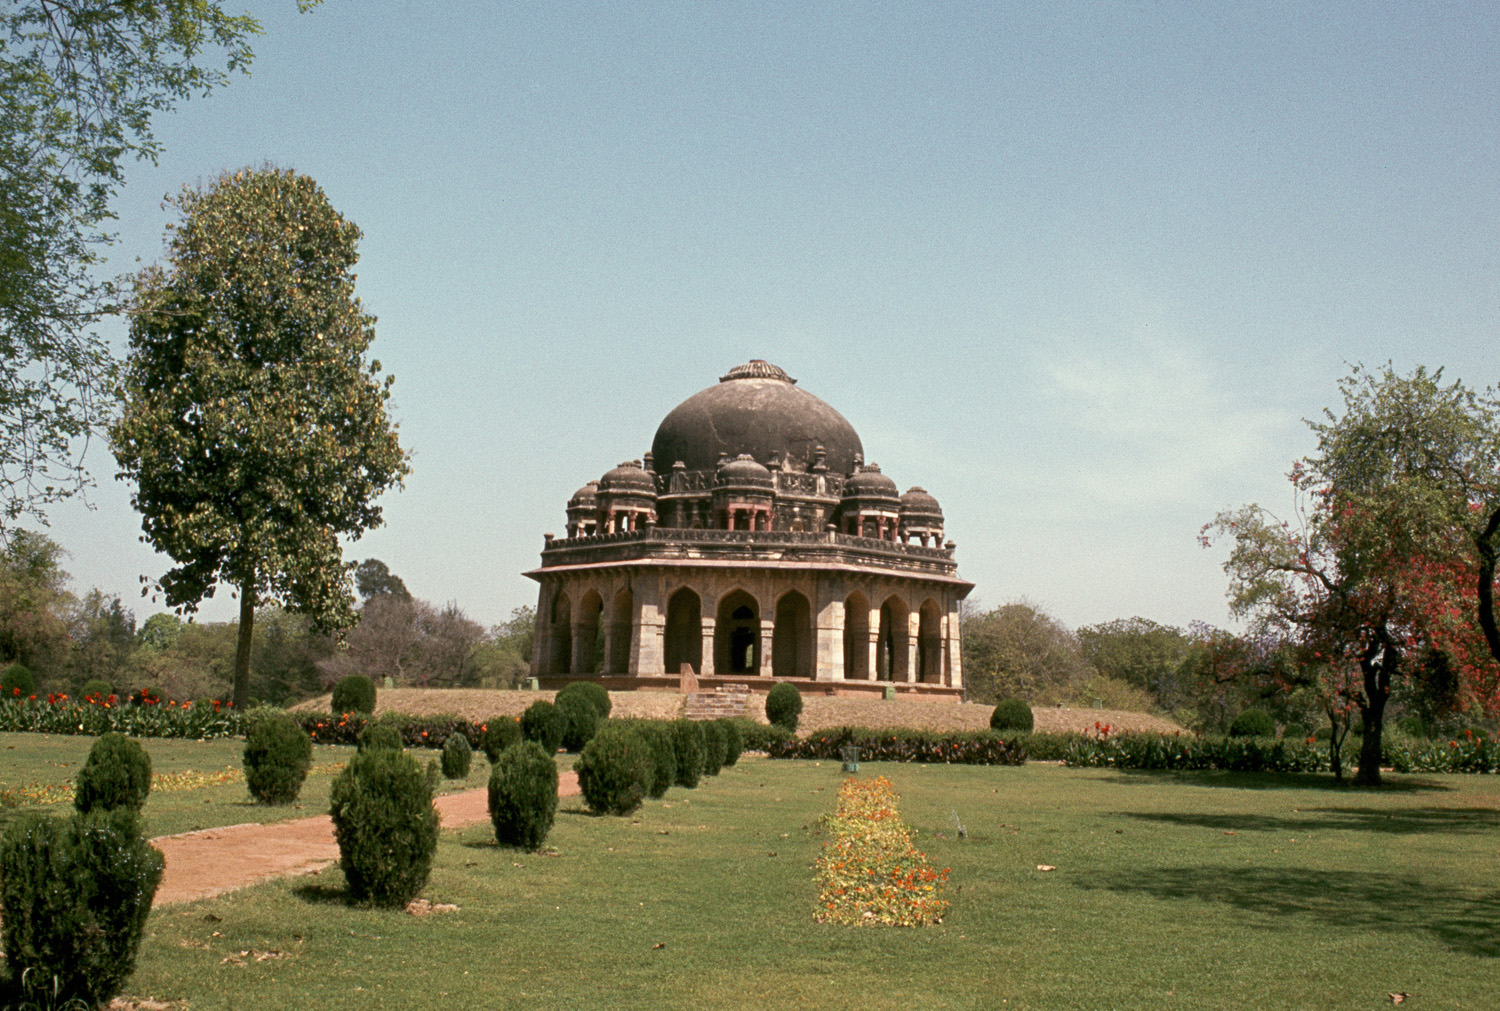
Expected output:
{"points": [[541, 641], [953, 674], [646, 632], [578, 661], [706, 667], [828, 644], [767, 635], [913, 643]]}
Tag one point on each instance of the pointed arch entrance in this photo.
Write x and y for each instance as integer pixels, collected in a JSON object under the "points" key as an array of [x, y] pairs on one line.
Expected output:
{"points": [[737, 635], [929, 642], [891, 659], [684, 632], [791, 637], [857, 637], [587, 647], [617, 633], [560, 636]]}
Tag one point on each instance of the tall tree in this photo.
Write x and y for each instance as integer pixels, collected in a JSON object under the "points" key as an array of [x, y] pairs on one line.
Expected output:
{"points": [[373, 578], [1385, 502], [80, 82], [254, 428]]}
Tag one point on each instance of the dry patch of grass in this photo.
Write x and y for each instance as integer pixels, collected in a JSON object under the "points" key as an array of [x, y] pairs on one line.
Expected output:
{"points": [[480, 704], [819, 712]]}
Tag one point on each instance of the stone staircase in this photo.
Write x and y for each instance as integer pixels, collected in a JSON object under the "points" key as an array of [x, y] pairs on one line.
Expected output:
{"points": [[721, 703]]}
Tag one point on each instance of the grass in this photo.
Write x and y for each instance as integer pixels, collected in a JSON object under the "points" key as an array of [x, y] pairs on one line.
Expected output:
{"points": [[1171, 891], [31, 759]]}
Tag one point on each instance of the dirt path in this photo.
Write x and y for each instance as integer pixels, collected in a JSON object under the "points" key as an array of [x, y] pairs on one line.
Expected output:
{"points": [[218, 860]]}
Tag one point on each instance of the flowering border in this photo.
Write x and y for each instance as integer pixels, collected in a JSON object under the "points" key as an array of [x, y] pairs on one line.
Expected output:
{"points": [[869, 872]]}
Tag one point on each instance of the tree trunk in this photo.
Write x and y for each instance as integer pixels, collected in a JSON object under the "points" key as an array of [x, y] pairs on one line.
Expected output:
{"points": [[1485, 542], [242, 648], [1372, 717]]}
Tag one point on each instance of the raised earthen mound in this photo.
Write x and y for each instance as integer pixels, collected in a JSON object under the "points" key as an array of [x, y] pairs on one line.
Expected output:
{"points": [[818, 711]]}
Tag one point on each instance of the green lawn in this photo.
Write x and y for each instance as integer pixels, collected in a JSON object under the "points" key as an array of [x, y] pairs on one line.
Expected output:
{"points": [[1171, 891], [29, 759]]}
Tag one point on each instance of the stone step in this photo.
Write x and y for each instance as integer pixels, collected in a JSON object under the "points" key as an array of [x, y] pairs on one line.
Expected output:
{"points": [[715, 705]]}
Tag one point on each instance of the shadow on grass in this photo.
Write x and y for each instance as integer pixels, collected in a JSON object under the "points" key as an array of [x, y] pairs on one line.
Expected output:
{"points": [[1391, 902], [323, 895], [1273, 781], [1425, 820]]}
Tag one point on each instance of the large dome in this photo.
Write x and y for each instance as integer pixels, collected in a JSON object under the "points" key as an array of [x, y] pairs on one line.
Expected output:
{"points": [[757, 409]]}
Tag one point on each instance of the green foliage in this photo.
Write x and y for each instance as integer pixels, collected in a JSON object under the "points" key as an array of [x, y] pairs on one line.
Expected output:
{"points": [[97, 687], [1412, 726], [891, 745], [1017, 649], [616, 770], [1295, 732], [545, 724], [1140, 653], [386, 826], [523, 795], [714, 747], [581, 721], [1253, 723], [687, 746], [658, 734], [79, 86], [17, 682], [760, 736], [353, 694], [500, 733], [117, 773], [278, 754], [73, 716], [377, 736], [784, 705], [373, 578], [590, 691], [1012, 714], [254, 429], [457, 756], [734, 741], [1186, 752], [74, 897]]}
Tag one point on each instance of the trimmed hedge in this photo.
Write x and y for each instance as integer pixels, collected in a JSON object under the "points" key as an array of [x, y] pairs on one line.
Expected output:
{"points": [[278, 754], [499, 734], [616, 770], [783, 706], [523, 795], [588, 691], [117, 773], [1012, 714], [714, 747], [378, 736], [687, 746], [1189, 752], [353, 694], [734, 741], [759, 736], [458, 757], [889, 745], [386, 826], [1253, 723], [545, 724], [74, 897], [17, 683], [580, 720]]}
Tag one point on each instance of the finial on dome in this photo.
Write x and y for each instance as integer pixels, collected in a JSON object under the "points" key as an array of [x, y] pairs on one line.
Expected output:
{"points": [[757, 368]]}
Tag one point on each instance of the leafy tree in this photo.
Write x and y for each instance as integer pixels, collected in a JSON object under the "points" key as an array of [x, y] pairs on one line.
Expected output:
{"points": [[34, 604], [1383, 515], [1018, 650], [103, 635], [255, 431], [372, 579], [160, 632], [1139, 652], [80, 81]]}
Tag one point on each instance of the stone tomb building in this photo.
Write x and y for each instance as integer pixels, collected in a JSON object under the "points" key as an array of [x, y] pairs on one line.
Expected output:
{"points": [[753, 542]]}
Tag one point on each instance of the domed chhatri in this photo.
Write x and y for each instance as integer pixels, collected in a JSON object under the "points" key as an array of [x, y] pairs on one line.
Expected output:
{"points": [[752, 541]]}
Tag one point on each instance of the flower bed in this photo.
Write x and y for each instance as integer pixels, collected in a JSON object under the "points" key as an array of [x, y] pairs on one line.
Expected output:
{"points": [[145, 716], [1469, 753], [980, 748], [869, 873], [162, 782]]}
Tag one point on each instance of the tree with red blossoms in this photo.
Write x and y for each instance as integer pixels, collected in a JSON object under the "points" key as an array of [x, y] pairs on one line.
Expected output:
{"points": [[1384, 533]]}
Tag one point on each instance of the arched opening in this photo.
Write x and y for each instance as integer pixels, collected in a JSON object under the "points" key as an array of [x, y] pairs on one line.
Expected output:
{"points": [[737, 635], [684, 632], [560, 637], [588, 648], [791, 638], [857, 637], [929, 642], [891, 656], [617, 634]]}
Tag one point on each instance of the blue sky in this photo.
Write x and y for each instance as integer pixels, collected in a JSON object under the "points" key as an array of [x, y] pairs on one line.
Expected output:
{"points": [[1079, 270]]}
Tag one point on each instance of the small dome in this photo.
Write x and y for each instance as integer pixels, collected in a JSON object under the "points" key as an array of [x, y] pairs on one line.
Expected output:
{"points": [[584, 496], [917, 504], [744, 472], [628, 478], [868, 482]]}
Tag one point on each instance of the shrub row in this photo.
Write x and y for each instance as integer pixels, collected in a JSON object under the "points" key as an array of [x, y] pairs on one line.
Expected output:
{"points": [[1190, 752], [1469, 753], [890, 745], [60, 714]]}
